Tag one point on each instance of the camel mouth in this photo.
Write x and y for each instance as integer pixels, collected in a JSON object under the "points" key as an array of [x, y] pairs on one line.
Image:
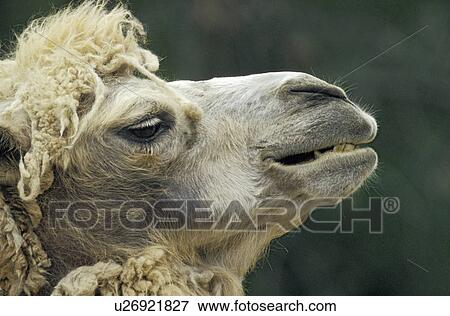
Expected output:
{"points": [[335, 171], [311, 156]]}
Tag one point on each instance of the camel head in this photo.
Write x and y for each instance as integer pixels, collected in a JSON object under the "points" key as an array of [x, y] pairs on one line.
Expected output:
{"points": [[184, 152]]}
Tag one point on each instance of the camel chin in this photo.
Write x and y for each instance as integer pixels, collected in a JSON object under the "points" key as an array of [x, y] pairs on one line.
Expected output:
{"points": [[345, 170]]}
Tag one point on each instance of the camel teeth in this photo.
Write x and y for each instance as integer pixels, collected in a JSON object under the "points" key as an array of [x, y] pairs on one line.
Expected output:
{"points": [[349, 147], [317, 154], [339, 148], [343, 148]]}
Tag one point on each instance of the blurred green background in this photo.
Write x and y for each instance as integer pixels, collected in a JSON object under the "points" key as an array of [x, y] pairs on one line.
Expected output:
{"points": [[407, 87]]}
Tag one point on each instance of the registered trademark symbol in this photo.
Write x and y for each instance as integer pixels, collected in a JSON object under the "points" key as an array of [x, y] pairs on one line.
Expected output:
{"points": [[391, 205]]}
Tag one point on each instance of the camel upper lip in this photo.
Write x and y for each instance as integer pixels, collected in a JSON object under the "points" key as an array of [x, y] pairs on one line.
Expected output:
{"points": [[300, 152]]}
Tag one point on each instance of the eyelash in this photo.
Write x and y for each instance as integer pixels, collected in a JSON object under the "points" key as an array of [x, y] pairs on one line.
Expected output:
{"points": [[146, 148], [146, 123]]}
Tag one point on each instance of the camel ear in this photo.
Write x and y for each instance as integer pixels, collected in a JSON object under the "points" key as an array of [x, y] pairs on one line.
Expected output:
{"points": [[14, 143]]}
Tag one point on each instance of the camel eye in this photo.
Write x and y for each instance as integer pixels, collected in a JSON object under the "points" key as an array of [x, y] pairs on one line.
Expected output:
{"points": [[145, 131]]}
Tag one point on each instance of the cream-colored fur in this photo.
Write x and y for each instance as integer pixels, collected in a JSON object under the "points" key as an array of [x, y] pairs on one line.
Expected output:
{"points": [[58, 60], [70, 93]]}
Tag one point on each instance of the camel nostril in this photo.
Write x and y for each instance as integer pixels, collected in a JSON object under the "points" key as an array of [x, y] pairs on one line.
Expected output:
{"points": [[330, 91]]}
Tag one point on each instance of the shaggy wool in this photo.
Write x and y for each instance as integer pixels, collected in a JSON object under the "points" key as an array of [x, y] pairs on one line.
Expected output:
{"points": [[154, 272], [57, 60]]}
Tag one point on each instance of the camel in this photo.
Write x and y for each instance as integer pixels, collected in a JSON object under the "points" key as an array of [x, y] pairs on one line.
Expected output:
{"points": [[87, 130]]}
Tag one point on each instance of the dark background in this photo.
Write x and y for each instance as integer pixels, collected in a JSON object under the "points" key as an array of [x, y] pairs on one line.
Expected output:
{"points": [[407, 87]]}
